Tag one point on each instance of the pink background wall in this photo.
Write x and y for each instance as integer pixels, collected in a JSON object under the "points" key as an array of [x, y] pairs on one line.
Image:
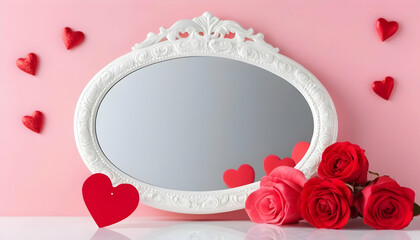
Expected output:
{"points": [[335, 40]]}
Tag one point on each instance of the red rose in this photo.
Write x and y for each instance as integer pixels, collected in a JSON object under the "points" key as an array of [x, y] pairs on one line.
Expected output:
{"points": [[276, 201], [325, 203], [386, 205], [344, 161]]}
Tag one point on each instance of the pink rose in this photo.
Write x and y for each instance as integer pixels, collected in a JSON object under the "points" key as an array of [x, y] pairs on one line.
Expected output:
{"points": [[386, 205], [344, 161], [276, 201], [325, 203]]}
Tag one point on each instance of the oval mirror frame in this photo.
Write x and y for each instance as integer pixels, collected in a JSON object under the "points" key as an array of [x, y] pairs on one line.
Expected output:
{"points": [[207, 36]]}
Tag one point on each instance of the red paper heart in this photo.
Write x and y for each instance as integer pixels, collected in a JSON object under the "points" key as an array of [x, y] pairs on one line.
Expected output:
{"points": [[272, 161], [28, 64], [72, 39], [383, 88], [108, 204], [299, 151], [235, 178], [34, 122], [386, 29]]}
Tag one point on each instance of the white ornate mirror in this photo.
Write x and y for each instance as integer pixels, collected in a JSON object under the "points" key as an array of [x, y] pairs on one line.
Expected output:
{"points": [[193, 101]]}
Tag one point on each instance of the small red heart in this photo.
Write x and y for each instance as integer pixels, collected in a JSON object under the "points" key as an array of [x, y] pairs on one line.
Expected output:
{"points": [[28, 64], [108, 204], [299, 151], [72, 39], [386, 29], [272, 161], [235, 178], [34, 122], [383, 88]]}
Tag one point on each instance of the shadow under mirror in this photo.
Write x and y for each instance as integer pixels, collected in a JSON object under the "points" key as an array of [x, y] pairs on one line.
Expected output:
{"points": [[181, 123]]}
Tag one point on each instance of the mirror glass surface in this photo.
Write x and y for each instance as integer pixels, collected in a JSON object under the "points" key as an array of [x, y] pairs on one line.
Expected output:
{"points": [[179, 124]]}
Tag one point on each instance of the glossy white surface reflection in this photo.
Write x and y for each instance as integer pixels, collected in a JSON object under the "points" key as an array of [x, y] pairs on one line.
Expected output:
{"points": [[79, 228]]}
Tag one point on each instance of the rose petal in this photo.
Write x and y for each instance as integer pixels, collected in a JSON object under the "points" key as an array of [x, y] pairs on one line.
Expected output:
{"points": [[284, 173]]}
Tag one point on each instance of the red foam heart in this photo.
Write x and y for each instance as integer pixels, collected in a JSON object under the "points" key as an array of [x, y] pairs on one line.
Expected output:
{"points": [[108, 204], [386, 29], [235, 178], [299, 151], [383, 88], [28, 64], [72, 39], [34, 122], [272, 161]]}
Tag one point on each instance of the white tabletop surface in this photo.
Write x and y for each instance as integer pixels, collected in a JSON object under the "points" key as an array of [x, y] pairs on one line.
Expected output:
{"points": [[80, 228]]}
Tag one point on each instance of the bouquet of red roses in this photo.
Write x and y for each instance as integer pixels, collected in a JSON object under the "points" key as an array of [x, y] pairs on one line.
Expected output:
{"points": [[341, 192]]}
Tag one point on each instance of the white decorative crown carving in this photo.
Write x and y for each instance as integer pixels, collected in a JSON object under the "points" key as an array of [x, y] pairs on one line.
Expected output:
{"points": [[208, 29]]}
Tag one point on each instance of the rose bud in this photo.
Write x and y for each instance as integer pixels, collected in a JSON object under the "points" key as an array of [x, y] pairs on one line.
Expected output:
{"points": [[386, 205], [344, 161]]}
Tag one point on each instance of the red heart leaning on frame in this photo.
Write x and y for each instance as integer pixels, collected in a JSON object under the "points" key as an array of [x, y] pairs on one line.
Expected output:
{"points": [[71, 39], [383, 88], [28, 64], [34, 122], [236, 178], [299, 151], [272, 161], [386, 29], [108, 204]]}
